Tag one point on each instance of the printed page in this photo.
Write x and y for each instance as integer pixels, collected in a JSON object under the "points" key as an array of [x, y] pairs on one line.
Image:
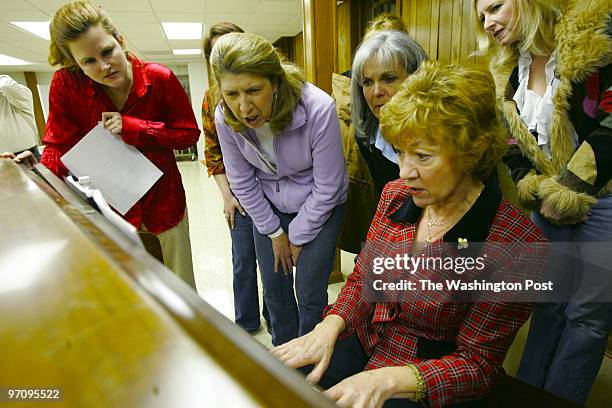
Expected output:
{"points": [[120, 171]]}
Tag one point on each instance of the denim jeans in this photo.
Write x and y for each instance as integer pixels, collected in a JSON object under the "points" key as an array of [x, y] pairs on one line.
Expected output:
{"points": [[566, 341], [246, 296], [289, 318]]}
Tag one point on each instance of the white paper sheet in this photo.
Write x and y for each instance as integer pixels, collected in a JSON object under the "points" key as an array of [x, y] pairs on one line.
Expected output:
{"points": [[121, 172]]}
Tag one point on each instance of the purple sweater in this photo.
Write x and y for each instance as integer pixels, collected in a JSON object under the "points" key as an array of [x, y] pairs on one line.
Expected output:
{"points": [[310, 177]]}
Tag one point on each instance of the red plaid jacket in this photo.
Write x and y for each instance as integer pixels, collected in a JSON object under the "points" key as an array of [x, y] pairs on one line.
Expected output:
{"points": [[480, 333]]}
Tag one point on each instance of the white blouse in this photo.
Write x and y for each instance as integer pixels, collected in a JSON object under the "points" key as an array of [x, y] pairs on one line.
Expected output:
{"points": [[385, 147], [535, 110]]}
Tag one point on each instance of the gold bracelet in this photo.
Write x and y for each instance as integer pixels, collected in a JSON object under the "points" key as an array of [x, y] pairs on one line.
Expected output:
{"points": [[419, 392]]}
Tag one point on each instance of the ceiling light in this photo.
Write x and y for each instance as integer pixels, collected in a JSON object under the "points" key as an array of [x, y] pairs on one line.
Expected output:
{"points": [[6, 60], [38, 28], [187, 51], [183, 31]]}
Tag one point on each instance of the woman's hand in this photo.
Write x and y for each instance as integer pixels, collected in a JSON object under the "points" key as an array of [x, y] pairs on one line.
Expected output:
{"points": [[367, 389], [315, 348], [282, 253], [296, 250], [230, 206], [24, 157], [113, 122], [548, 211]]}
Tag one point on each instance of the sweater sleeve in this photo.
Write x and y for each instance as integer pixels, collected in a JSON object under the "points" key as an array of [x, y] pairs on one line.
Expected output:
{"points": [[330, 179]]}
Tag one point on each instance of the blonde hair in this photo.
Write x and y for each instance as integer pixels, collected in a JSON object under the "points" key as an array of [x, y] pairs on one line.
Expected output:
{"points": [[452, 106], [72, 21], [385, 22], [247, 53], [534, 19]]}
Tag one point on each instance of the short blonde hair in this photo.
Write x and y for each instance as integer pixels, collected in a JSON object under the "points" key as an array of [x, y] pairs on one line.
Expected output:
{"points": [[72, 21], [452, 106], [535, 20], [247, 53]]}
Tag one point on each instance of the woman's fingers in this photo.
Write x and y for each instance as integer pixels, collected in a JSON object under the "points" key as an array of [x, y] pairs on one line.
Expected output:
{"points": [[335, 392], [317, 372], [282, 254], [231, 213], [280, 352], [112, 121], [287, 266]]}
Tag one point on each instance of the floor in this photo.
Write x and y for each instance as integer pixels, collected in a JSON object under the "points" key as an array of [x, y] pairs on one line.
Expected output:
{"points": [[211, 245]]}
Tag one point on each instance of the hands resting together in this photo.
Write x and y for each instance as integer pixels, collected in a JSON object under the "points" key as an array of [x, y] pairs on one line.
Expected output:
{"points": [[286, 254], [367, 389]]}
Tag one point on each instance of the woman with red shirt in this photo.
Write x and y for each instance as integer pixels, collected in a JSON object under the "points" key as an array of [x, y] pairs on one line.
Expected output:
{"points": [[142, 102]]}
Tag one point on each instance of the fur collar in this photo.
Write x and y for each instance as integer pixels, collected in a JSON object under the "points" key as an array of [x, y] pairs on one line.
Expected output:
{"points": [[583, 46]]}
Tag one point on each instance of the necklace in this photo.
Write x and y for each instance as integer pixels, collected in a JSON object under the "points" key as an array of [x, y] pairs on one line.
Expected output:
{"points": [[444, 226], [432, 223]]}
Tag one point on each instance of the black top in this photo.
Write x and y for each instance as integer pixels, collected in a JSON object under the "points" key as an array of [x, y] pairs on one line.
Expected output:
{"points": [[382, 169]]}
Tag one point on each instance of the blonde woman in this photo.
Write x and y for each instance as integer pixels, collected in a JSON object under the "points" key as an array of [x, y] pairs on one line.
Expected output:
{"points": [[283, 158], [554, 82], [141, 102]]}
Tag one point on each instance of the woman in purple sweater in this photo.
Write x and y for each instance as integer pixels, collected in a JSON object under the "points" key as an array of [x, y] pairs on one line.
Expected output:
{"points": [[282, 152]]}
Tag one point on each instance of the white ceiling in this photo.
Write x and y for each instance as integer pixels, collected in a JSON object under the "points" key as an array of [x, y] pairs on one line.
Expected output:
{"points": [[140, 23]]}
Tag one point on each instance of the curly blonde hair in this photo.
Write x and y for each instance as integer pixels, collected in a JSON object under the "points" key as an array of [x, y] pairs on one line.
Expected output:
{"points": [[247, 53], [452, 106], [72, 21]]}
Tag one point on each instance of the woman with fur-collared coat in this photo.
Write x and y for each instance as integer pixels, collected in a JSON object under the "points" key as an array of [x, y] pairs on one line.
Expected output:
{"points": [[551, 65]]}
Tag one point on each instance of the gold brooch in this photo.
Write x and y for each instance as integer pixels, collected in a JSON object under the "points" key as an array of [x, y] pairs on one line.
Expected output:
{"points": [[463, 243]]}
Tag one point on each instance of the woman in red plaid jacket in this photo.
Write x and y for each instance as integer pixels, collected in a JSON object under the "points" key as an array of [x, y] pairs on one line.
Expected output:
{"points": [[377, 347]]}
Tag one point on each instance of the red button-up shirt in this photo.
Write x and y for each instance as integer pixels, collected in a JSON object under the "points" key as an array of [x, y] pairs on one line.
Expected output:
{"points": [[392, 332], [157, 118]]}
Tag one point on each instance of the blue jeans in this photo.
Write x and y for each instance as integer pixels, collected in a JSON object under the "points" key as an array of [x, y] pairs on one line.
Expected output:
{"points": [[566, 341], [246, 296], [289, 318]]}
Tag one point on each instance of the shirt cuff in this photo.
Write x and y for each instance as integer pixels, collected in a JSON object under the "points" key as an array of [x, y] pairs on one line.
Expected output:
{"points": [[276, 234]]}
